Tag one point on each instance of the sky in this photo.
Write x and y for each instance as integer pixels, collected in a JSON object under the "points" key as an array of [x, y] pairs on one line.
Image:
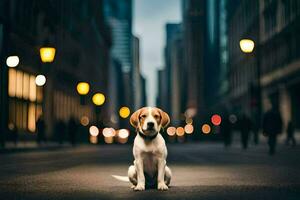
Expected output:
{"points": [[149, 20]]}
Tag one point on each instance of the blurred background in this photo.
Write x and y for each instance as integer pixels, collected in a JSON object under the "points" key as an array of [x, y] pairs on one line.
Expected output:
{"points": [[74, 71]]}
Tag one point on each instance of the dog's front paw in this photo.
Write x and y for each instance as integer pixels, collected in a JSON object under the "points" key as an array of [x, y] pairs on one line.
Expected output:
{"points": [[162, 186], [139, 187]]}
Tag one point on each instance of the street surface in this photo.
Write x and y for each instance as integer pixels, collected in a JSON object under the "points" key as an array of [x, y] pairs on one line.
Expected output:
{"points": [[200, 171]]}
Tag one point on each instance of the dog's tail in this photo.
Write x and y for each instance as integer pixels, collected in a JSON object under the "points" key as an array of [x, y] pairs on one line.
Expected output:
{"points": [[121, 178]]}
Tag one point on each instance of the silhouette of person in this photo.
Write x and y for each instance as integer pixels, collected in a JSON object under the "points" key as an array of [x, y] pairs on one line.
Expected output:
{"points": [[40, 128], [272, 126], [13, 132], [290, 134], [225, 129], [72, 130], [60, 129], [245, 126]]}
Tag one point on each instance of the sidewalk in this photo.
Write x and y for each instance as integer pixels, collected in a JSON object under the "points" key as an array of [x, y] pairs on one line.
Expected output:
{"points": [[27, 146]]}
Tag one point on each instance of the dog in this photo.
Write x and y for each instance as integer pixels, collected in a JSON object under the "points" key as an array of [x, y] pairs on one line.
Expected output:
{"points": [[149, 150]]}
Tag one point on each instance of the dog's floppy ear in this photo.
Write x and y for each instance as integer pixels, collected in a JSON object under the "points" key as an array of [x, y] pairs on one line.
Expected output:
{"points": [[134, 118], [165, 119]]}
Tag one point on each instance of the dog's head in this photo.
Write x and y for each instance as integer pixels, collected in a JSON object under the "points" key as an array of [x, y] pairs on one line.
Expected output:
{"points": [[149, 120]]}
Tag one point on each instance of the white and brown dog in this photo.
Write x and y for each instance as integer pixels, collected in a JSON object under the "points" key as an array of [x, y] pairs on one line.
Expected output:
{"points": [[149, 150]]}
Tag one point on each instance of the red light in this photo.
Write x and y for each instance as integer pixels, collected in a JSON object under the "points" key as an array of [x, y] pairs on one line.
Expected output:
{"points": [[216, 119]]}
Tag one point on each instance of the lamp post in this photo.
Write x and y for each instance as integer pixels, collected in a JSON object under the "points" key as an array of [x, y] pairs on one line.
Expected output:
{"points": [[247, 46], [47, 55], [98, 100], [83, 89]]}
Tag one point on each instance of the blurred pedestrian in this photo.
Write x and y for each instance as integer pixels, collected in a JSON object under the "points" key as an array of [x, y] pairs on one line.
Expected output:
{"points": [[272, 126], [245, 125], [41, 128], [290, 134], [72, 130], [60, 130], [13, 130], [225, 129]]}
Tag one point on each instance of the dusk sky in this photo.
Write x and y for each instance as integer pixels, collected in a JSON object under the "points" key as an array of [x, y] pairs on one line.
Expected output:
{"points": [[149, 19]]}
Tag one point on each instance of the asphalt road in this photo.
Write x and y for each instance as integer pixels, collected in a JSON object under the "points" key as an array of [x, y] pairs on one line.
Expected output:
{"points": [[200, 171]]}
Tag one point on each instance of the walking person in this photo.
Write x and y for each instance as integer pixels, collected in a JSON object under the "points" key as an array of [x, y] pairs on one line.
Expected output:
{"points": [[40, 128], [272, 126], [245, 128], [290, 134]]}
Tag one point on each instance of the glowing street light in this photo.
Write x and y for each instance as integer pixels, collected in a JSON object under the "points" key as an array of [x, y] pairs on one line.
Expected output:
{"points": [[12, 61], [83, 88], [247, 45], [189, 128], [171, 131], [206, 129], [124, 112], [216, 119], [94, 131], [40, 80], [98, 99], [180, 131], [47, 54]]}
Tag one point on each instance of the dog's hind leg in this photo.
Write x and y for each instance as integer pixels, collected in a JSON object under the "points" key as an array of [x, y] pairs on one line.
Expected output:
{"points": [[132, 175], [168, 175]]}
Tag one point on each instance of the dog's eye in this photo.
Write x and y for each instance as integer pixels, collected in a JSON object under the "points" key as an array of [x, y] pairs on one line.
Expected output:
{"points": [[156, 116], [143, 116]]}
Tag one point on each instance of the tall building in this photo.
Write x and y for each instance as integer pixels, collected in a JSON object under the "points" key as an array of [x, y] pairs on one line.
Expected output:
{"points": [[194, 43], [280, 57], [81, 38]]}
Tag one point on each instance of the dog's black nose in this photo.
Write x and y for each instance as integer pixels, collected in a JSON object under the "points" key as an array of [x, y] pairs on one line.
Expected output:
{"points": [[150, 124]]}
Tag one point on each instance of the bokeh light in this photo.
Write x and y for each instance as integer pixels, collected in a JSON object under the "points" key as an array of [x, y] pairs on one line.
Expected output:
{"points": [[232, 118], [40, 80], [109, 140], [123, 133], [109, 132], [124, 112], [247, 45], [47, 54], [98, 99], [12, 61], [83, 88], [171, 131], [189, 128], [94, 131], [206, 129], [93, 139], [188, 120], [216, 119], [84, 121], [180, 131]]}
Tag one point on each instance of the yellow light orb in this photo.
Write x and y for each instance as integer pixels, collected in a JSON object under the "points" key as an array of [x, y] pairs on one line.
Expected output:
{"points": [[247, 45], [171, 131], [189, 128], [98, 99], [47, 54], [206, 129], [83, 88], [180, 131], [124, 112]]}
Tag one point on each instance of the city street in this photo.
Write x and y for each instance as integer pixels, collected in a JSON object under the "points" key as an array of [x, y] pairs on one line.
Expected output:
{"points": [[200, 171]]}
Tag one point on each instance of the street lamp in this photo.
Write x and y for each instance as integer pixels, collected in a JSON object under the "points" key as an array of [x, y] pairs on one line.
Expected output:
{"points": [[83, 88], [124, 112], [12, 61], [98, 99], [247, 45], [47, 54]]}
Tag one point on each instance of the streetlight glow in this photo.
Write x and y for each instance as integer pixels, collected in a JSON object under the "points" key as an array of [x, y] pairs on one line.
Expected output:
{"points": [[98, 99], [47, 54], [94, 131], [12, 61], [124, 112], [83, 88], [189, 128], [247, 45], [40, 80], [206, 129]]}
